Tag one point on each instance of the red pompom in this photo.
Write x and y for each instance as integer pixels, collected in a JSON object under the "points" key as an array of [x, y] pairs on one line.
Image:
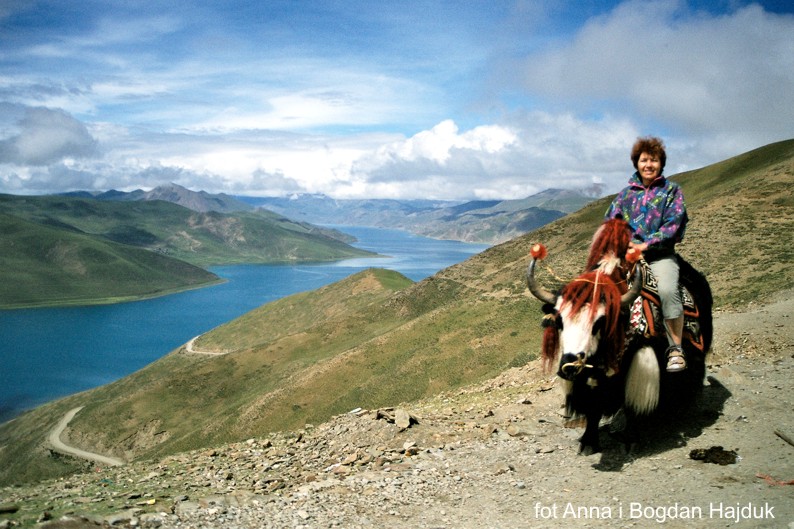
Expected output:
{"points": [[538, 251], [633, 255]]}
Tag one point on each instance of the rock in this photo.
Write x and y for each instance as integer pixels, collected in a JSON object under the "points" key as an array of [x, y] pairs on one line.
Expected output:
{"points": [[152, 519], [123, 517], [68, 522], [341, 469], [503, 468], [515, 430], [349, 460], [402, 419], [186, 508]]}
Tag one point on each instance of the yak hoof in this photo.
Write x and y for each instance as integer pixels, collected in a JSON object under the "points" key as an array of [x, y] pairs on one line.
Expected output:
{"points": [[630, 448], [588, 450]]}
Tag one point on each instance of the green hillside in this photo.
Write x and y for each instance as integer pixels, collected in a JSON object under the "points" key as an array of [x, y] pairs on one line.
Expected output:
{"points": [[47, 265], [59, 249], [375, 340]]}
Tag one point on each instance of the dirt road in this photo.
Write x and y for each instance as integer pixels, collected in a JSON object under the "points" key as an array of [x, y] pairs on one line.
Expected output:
{"points": [[54, 439]]}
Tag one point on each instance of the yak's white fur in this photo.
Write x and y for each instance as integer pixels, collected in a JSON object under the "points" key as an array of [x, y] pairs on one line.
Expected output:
{"points": [[642, 382], [609, 263], [576, 335]]}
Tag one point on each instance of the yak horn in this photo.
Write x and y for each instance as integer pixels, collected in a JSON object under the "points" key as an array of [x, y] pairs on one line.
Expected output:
{"points": [[628, 298], [538, 291]]}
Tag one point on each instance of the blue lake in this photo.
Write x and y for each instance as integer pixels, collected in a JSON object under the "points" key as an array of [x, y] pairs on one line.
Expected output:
{"points": [[49, 353]]}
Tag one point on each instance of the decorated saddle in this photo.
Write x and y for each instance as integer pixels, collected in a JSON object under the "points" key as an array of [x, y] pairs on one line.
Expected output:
{"points": [[646, 317]]}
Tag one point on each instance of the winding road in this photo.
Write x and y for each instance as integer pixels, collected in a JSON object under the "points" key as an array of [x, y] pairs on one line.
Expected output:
{"points": [[189, 349], [54, 439]]}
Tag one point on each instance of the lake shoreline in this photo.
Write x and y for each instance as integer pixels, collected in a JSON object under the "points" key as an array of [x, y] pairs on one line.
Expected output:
{"points": [[110, 300], [55, 351]]}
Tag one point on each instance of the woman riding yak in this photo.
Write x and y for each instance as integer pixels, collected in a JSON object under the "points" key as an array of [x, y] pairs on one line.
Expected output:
{"points": [[654, 208]]}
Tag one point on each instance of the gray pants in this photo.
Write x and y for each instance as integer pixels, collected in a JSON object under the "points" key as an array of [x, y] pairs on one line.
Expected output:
{"points": [[666, 272]]}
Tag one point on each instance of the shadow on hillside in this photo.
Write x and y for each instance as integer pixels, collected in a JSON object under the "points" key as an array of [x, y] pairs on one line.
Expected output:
{"points": [[662, 431]]}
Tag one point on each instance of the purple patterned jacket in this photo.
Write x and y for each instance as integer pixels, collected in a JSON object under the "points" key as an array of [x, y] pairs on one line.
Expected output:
{"points": [[657, 214]]}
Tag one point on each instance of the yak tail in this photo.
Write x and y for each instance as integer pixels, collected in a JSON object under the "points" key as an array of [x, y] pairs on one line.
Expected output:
{"points": [[642, 382]]}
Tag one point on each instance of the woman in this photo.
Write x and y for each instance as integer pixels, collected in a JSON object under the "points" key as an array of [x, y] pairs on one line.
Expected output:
{"points": [[654, 208]]}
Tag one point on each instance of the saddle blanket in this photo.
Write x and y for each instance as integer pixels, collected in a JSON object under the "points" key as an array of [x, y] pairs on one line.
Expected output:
{"points": [[646, 313]]}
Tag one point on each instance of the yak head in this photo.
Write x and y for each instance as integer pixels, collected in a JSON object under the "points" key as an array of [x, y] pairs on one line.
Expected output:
{"points": [[582, 325]]}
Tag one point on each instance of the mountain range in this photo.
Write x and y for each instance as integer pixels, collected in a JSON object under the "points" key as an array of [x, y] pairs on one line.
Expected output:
{"points": [[200, 201], [376, 339], [482, 221]]}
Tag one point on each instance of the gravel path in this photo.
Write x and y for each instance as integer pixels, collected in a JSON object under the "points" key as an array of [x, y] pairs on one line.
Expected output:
{"points": [[54, 440]]}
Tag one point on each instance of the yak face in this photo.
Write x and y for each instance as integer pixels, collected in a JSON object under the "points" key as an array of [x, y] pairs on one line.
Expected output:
{"points": [[580, 335], [585, 321]]}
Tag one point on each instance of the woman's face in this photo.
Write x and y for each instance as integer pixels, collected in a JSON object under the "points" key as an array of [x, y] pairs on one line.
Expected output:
{"points": [[649, 167]]}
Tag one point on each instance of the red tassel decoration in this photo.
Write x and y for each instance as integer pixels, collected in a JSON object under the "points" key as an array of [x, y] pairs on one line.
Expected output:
{"points": [[538, 252]]}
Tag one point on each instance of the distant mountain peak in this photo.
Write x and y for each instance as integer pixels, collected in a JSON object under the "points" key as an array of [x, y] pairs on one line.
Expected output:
{"points": [[200, 201]]}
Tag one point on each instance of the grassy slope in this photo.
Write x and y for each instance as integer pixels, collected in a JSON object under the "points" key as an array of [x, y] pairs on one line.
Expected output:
{"points": [[202, 239], [370, 341], [45, 265], [73, 250]]}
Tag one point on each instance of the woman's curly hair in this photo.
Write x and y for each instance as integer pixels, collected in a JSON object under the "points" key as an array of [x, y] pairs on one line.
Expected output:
{"points": [[651, 145]]}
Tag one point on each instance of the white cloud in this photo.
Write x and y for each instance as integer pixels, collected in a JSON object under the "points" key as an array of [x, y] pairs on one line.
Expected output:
{"points": [[46, 136], [437, 150], [692, 73], [529, 153]]}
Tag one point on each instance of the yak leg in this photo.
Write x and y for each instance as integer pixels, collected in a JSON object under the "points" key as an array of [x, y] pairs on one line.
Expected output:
{"points": [[586, 399], [588, 443], [593, 411], [642, 392], [631, 433]]}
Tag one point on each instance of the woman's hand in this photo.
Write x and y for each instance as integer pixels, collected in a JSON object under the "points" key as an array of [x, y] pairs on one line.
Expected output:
{"points": [[641, 246]]}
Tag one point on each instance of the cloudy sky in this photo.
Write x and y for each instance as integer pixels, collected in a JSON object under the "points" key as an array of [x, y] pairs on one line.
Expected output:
{"points": [[382, 99]]}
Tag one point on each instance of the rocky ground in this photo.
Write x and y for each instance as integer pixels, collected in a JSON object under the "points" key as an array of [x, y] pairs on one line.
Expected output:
{"points": [[493, 456]]}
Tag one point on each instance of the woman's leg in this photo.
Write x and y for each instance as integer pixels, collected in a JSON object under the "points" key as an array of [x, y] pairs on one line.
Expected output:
{"points": [[666, 273]]}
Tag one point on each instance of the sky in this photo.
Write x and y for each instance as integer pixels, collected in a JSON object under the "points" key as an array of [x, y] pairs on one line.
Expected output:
{"points": [[403, 99]]}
